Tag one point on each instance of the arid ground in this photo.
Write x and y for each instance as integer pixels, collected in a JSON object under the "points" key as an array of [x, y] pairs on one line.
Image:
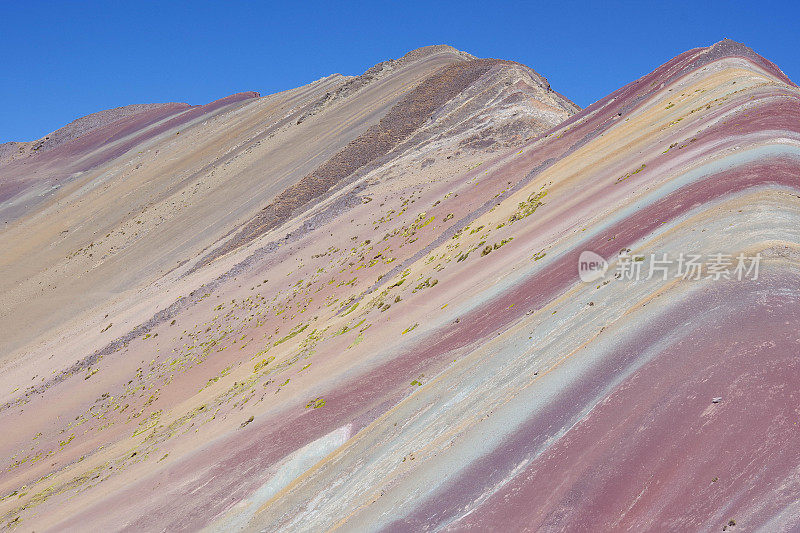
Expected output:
{"points": [[356, 305]]}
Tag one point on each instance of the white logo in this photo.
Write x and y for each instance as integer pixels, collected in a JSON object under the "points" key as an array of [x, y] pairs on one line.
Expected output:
{"points": [[591, 266]]}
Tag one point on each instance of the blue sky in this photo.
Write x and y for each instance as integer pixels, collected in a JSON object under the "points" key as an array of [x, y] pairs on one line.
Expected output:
{"points": [[63, 60]]}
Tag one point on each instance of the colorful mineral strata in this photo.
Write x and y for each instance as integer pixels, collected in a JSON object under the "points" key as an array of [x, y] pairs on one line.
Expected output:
{"points": [[360, 305]]}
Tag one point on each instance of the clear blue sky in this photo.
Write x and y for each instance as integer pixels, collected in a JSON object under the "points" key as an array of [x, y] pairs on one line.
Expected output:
{"points": [[62, 60]]}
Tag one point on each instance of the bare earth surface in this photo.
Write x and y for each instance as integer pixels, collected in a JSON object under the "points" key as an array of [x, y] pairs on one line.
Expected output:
{"points": [[355, 305]]}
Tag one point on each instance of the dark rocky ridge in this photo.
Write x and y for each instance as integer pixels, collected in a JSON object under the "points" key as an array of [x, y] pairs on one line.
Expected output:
{"points": [[398, 124]]}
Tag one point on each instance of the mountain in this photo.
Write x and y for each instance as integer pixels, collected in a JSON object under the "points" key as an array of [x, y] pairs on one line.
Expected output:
{"points": [[362, 303]]}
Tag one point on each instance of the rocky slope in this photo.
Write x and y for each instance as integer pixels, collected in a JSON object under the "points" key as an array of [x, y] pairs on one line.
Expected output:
{"points": [[133, 220], [357, 305]]}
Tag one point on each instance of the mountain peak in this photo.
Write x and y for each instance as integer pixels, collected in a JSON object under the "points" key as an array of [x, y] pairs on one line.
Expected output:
{"points": [[426, 51]]}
